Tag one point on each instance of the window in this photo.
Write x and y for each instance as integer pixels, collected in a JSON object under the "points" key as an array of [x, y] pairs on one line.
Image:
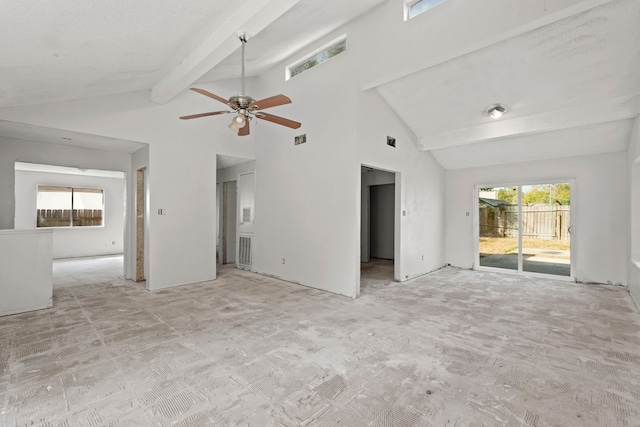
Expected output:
{"points": [[326, 52], [69, 207], [415, 8]]}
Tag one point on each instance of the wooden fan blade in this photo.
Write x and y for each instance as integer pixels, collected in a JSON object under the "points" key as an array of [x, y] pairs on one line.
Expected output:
{"points": [[244, 131], [210, 95], [279, 120], [195, 116], [273, 101]]}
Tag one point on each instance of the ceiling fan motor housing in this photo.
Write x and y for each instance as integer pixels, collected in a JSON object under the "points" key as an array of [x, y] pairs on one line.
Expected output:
{"points": [[240, 102]]}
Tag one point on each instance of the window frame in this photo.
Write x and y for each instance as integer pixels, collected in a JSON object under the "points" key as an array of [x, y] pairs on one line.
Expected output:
{"points": [[324, 48], [410, 3], [72, 189]]}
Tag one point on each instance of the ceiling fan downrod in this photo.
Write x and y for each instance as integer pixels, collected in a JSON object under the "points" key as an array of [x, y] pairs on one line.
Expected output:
{"points": [[245, 107], [243, 39]]}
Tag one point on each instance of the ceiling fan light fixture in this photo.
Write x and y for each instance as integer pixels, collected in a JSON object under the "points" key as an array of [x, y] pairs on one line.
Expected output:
{"points": [[244, 106], [238, 122], [495, 111]]}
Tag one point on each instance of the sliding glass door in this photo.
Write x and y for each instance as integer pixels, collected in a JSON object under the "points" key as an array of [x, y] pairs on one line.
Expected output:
{"points": [[499, 227], [525, 228]]}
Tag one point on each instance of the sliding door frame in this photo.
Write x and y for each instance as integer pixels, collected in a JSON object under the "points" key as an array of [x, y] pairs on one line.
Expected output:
{"points": [[520, 271]]}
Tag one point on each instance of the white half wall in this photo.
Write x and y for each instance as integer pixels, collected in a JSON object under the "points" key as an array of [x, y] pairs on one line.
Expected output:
{"points": [[599, 203], [26, 278], [75, 241]]}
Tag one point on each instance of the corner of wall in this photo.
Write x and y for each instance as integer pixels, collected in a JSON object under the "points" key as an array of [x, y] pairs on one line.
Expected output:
{"points": [[633, 209]]}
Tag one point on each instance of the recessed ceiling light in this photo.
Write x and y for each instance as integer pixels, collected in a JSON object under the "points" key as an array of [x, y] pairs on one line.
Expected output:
{"points": [[495, 111]]}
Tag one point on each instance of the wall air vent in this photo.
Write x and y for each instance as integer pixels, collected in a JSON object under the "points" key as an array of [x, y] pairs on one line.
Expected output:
{"points": [[391, 141], [245, 257]]}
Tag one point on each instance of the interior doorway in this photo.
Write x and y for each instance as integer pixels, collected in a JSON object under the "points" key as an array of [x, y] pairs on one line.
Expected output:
{"points": [[526, 228], [98, 270], [140, 194], [88, 208], [379, 207]]}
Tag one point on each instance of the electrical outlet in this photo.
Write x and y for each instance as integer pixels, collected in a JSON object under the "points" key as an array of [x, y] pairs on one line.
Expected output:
{"points": [[113, 242], [283, 260]]}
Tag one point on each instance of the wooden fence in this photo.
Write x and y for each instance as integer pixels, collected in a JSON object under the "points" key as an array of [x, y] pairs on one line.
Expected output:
{"points": [[544, 222], [62, 217]]}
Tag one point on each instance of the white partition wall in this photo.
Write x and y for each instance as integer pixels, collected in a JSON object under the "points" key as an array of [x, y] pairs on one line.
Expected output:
{"points": [[26, 272], [68, 242]]}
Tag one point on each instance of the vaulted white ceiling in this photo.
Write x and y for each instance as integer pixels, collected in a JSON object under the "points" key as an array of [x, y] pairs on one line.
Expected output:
{"points": [[61, 50], [571, 76], [579, 72]]}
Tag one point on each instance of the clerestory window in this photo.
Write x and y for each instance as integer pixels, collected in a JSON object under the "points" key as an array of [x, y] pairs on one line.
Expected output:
{"points": [[415, 8], [318, 57]]}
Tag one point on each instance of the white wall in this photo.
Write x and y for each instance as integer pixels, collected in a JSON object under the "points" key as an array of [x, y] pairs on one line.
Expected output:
{"points": [[420, 188], [633, 157], [14, 150], [308, 196], [231, 173], [181, 175], [182, 182], [75, 241], [599, 205]]}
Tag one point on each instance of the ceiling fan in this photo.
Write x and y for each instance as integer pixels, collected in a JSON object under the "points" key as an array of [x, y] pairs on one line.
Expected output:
{"points": [[245, 107]]}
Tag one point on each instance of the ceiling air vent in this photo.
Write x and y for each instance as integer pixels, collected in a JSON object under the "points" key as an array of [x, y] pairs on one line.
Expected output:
{"points": [[391, 141]]}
